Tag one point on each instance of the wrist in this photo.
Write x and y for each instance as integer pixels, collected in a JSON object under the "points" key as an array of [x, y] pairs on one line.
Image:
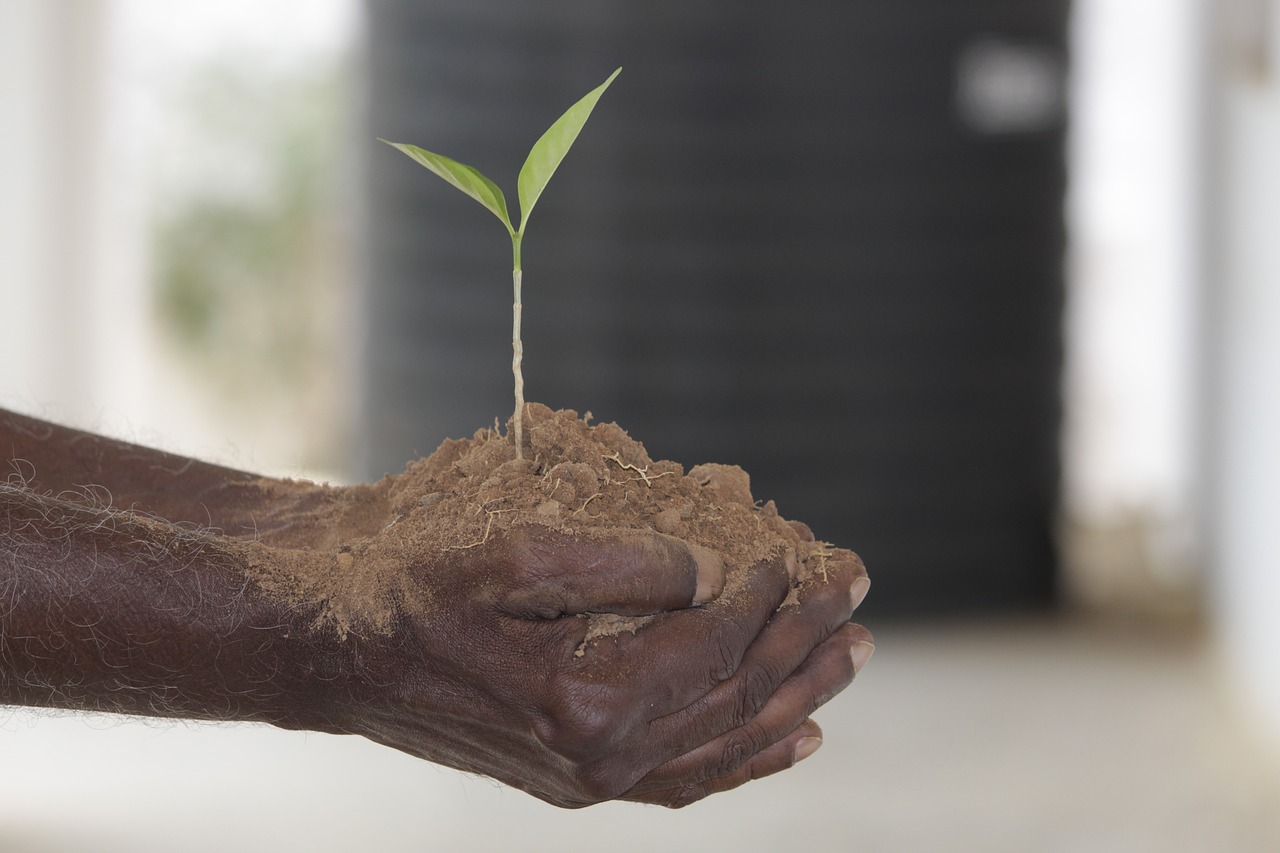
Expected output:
{"points": [[326, 658]]}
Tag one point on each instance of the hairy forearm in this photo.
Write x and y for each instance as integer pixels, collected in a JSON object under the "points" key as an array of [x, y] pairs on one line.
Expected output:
{"points": [[112, 611], [54, 460]]}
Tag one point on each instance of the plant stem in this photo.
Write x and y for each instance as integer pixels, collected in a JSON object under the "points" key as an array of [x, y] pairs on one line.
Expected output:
{"points": [[517, 349]]}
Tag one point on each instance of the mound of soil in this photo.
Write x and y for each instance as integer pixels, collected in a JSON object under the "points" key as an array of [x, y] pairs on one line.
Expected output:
{"points": [[346, 548]]}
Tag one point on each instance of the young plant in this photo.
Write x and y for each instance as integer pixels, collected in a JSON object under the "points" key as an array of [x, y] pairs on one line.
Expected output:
{"points": [[539, 166]]}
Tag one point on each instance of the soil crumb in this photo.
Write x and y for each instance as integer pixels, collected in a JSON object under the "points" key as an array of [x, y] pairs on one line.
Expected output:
{"points": [[346, 548]]}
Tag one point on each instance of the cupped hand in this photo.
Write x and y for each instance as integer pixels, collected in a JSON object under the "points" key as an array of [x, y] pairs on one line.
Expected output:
{"points": [[491, 671]]}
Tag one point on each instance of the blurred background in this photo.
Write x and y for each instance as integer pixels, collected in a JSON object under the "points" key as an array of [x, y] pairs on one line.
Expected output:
{"points": [[988, 292]]}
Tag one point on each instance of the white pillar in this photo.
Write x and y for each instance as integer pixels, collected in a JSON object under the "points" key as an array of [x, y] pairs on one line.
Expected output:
{"points": [[50, 56], [1134, 258], [1242, 299], [72, 285]]}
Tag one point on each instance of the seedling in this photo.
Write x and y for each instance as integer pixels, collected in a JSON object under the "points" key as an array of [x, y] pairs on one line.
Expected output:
{"points": [[539, 166]]}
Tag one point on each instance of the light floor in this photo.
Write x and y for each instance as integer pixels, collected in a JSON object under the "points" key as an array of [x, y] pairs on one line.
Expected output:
{"points": [[1051, 735]]}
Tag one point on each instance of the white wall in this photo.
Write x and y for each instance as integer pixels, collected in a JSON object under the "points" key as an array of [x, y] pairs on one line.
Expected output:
{"points": [[1242, 300], [1134, 252], [71, 256]]}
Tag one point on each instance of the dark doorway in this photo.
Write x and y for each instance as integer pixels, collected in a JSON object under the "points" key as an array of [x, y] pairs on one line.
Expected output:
{"points": [[820, 239]]}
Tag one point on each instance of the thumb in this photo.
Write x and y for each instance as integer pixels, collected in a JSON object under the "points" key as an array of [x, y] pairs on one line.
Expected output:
{"points": [[628, 572]]}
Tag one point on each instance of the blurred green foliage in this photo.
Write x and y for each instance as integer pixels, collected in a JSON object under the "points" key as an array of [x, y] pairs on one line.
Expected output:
{"points": [[250, 238], [247, 243]]}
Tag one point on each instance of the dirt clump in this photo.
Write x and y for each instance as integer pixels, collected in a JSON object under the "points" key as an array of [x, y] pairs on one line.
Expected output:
{"points": [[347, 548]]}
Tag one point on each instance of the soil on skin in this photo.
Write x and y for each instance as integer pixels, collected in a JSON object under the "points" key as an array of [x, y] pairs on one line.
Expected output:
{"points": [[346, 548]]}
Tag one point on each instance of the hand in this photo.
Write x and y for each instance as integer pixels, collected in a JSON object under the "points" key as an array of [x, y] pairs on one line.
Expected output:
{"points": [[489, 674], [156, 620]]}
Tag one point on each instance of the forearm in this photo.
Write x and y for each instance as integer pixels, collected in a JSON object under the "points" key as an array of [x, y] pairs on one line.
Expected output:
{"points": [[109, 611], [53, 459]]}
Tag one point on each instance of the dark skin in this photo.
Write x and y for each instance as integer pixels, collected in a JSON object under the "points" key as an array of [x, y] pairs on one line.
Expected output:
{"points": [[140, 609]]}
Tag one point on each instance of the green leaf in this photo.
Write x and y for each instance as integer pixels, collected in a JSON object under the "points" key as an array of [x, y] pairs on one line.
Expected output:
{"points": [[464, 177], [547, 152]]}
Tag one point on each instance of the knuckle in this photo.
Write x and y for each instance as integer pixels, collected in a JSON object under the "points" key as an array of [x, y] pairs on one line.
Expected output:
{"points": [[756, 688], [524, 554], [738, 750], [530, 577], [536, 552], [581, 723], [723, 654], [685, 796]]}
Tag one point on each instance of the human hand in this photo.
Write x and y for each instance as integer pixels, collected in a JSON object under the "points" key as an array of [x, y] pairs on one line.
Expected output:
{"points": [[488, 671], [479, 669]]}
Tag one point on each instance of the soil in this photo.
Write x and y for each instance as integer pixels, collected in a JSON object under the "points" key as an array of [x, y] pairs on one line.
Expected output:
{"points": [[346, 548]]}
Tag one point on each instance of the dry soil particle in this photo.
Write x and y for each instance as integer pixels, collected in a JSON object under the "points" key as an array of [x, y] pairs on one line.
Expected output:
{"points": [[347, 549]]}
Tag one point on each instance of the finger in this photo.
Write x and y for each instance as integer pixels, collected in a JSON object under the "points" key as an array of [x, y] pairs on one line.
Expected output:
{"points": [[687, 654], [631, 573], [826, 672], [793, 633], [786, 753], [802, 530]]}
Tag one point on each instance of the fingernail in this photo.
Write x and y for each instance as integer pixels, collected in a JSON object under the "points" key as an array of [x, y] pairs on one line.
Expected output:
{"points": [[858, 591], [793, 565], [861, 653], [710, 574], [805, 747]]}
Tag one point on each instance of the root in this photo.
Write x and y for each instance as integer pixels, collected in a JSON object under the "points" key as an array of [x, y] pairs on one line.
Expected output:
{"points": [[643, 472], [821, 557], [488, 527], [583, 508]]}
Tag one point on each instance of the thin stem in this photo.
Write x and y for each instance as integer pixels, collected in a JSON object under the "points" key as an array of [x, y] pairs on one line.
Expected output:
{"points": [[517, 349]]}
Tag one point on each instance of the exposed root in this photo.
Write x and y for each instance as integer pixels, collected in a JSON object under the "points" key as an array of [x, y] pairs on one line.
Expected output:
{"points": [[643, 472], [821, 557], [583, 508], [488, 527]]}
